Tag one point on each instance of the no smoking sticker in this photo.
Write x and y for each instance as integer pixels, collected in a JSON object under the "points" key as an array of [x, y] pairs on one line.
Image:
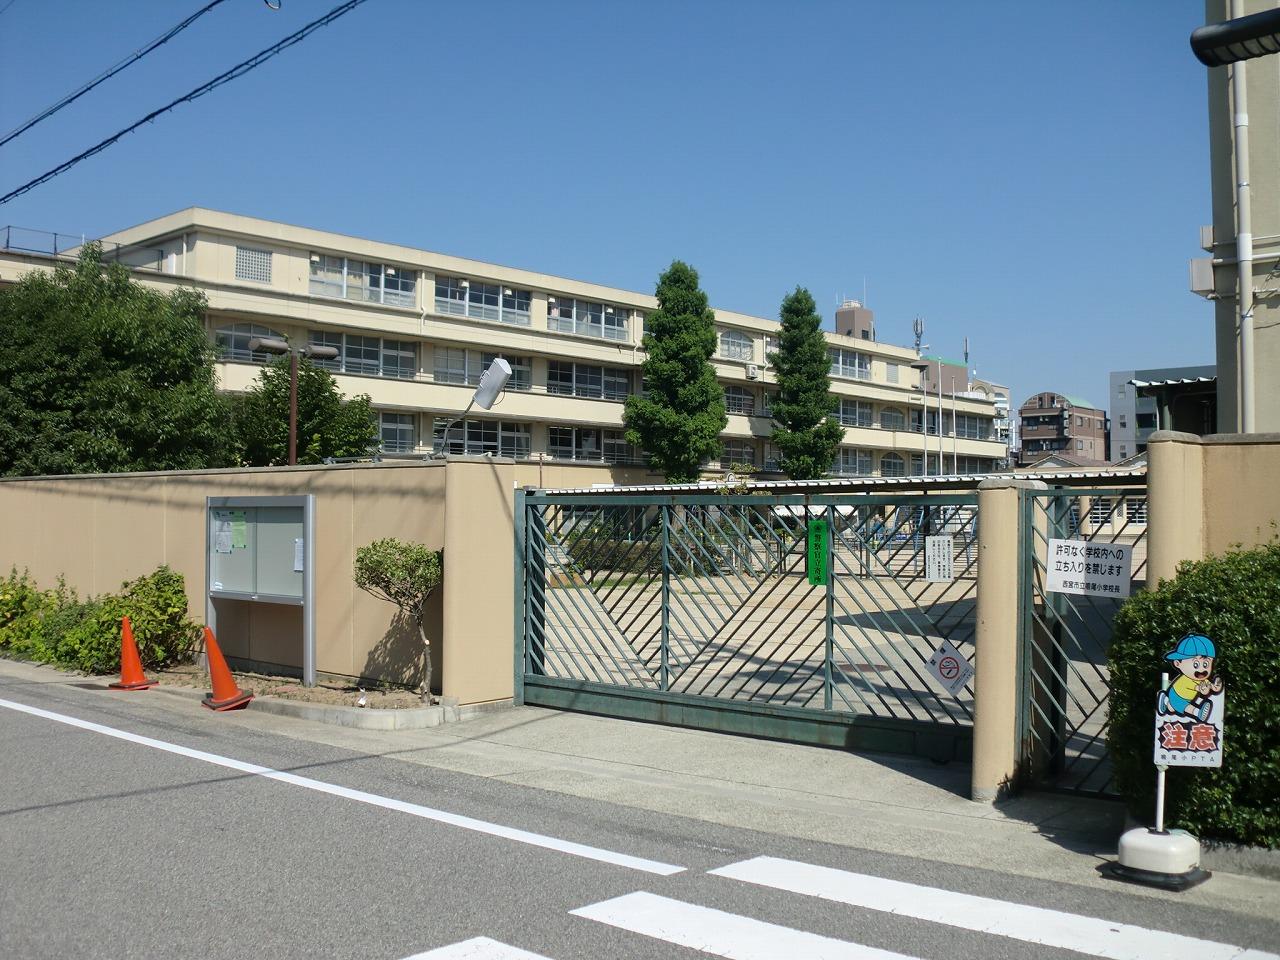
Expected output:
{"points": [[951, 668]]}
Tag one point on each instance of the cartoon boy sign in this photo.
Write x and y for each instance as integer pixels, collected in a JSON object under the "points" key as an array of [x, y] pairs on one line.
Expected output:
{"points": [[1189, 710]]}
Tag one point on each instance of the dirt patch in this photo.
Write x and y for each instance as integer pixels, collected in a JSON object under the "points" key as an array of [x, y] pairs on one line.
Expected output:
{"points": [[340, 694]]}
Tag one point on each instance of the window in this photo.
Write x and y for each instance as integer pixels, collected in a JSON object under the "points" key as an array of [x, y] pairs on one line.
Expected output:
{"points": [[771, 345], [482, 301], [456, 365], [566, 315], [574, 443], [855, 413], [1123, 424], [371, 356], [736, 345], [397, 432], [232, 342], [766, 403], [1145, 421], [891, 372], [348, 279], [616, 449], [850, 363], [1100, 511], [973, 427], [253, 265], [738, 451], [891, 418], [1079, 420], [1079, 444], [852, 462], [771, 458], [478, 437], [584, 380], [1136, 511], [892, 465], [972, 465], [739, 400]]}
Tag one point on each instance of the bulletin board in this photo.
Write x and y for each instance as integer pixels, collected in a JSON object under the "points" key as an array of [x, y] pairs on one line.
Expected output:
{"points": [[261, 550]]}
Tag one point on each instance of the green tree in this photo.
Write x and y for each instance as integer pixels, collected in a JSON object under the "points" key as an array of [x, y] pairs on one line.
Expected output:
{"points": [[99, 374], [679, 420], [328, 425], [404, 574], [805, 433]]}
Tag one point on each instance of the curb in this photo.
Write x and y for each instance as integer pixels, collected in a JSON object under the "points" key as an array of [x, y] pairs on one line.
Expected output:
{"points": [[1235, 858]]}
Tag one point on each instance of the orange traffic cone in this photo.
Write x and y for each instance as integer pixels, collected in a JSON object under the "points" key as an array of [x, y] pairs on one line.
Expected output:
{"points": [[131, 675], [226, 695]]}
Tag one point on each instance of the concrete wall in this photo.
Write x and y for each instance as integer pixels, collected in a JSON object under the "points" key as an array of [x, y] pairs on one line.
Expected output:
{"points": [[1208, 494], [98, 531]]}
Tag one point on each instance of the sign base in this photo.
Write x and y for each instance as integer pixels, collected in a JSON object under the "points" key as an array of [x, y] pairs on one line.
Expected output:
{"points": [[1169, 860]]}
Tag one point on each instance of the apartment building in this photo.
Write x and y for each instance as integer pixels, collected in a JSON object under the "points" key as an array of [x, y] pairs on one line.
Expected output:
{"points": [[1054, 424], [414, 330], [1135, 412]]}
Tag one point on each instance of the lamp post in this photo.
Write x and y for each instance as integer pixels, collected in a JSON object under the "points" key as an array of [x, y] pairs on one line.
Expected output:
{"points": [[277, 346], [491, 384]]}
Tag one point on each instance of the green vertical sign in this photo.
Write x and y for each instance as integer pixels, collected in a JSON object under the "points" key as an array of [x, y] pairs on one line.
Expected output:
{"points": [[817, 556]]}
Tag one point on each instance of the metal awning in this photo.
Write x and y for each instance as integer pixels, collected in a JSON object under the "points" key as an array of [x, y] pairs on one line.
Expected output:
{"points": [[1177, 382]]}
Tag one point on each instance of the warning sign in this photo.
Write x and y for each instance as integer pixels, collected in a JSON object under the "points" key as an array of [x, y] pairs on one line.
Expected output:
{"points": [[939, 559], [1088, 568], [1189, 710], [952, 669]]}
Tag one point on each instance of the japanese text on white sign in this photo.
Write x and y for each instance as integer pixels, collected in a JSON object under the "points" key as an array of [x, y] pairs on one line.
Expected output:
{"points": [[939, 559], [1088, 568]]}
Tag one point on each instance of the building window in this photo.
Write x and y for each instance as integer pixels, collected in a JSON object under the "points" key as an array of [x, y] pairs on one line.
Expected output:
{"points": [[616, 449], [397, 432], [736, 345], [253, 264], [739, 400], [852, 462], [1079, 444], [891, 372], [587, 319], [232, 342], [770, 346], [1136, 511], [850, 363], [771, 458], [478, 437], [466, 367], [574, 443], [855, 413], [972, 465], [482, 301], [1100, 511], [738, 451], [371, 356], [973, 427], [348, 279], [892, 465], [584, 380], [767, 401], [891, 418]]}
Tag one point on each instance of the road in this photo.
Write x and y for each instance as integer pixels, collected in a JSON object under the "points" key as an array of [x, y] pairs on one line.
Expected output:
{"points": [[141, 826]]}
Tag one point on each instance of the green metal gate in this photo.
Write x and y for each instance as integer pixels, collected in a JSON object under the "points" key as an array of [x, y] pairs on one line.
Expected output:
{"points": [[1065, 638], [696, 609]]}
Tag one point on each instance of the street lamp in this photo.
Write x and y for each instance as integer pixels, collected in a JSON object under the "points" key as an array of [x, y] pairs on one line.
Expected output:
{"points": [[278, 346], [1218, 44], [491, 384]]}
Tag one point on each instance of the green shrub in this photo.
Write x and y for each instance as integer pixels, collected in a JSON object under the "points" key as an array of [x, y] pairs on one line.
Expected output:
{"points": [[1234, 600], [56, 626]]}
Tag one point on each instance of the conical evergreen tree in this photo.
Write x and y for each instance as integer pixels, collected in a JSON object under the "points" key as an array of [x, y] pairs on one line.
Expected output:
{"points": [[678, 421], [805, 431]]}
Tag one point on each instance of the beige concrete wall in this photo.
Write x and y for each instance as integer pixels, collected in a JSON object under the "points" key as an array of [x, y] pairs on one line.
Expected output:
{"points": [[98, 531]]}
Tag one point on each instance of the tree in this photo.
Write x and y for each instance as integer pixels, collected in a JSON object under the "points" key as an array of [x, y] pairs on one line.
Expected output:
{"points": [[679, 420], [328, 425], [805, 433], [99, 374], [403, 574]]}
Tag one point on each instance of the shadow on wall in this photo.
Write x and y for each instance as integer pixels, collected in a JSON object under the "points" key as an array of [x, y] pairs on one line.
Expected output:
{"points": [[397, 656]]}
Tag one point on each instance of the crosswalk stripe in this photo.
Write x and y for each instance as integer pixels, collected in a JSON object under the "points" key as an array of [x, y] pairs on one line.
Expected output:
{"points": [[722, 934], [477, 948], [1052, 928]]}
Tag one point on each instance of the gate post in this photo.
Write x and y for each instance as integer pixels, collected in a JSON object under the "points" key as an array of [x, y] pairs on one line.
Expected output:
{"points": [[664, 679], [995, 715]]}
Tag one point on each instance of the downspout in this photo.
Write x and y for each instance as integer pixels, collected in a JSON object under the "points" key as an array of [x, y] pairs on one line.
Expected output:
{"points": [[1244, 235]]}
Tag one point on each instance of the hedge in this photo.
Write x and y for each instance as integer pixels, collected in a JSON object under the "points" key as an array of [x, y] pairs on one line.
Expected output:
{"points": [[56, 626], [1233, 599]]}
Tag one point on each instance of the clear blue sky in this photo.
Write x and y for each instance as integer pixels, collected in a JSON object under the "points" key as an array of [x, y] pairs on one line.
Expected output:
{"points": [[1029, 174]]}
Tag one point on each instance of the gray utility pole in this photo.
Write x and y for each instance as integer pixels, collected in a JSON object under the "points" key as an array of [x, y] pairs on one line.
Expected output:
{"points": [[1244, 235]]}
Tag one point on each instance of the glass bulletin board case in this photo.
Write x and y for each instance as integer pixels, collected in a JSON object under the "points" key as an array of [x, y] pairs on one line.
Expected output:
{"points": [[262, 550]]}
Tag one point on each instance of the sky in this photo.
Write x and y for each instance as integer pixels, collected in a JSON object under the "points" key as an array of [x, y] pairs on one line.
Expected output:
{"points": [[1030, 175]]}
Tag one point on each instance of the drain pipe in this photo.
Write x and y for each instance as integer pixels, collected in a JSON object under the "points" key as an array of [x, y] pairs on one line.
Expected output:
{"points": [[1244, 235]]}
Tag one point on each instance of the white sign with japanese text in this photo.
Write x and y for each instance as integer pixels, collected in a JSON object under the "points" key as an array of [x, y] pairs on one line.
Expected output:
{"points": [[1089, 568], [939, 559]]}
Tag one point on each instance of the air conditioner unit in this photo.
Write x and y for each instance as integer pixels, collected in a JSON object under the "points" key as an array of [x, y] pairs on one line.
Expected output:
{"points": [[753, 371]]}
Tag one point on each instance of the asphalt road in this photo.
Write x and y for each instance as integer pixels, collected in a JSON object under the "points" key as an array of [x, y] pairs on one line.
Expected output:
{"points": [[244, 843]]}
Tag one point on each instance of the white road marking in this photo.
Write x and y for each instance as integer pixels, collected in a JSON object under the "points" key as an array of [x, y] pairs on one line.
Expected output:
{"points": [[478, 948], [722, 934], [387, 803], [1052, 928]]}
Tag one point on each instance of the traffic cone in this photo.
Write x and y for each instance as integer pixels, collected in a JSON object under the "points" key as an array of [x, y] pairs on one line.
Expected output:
{"points": [[131, 675], [226, 695]]}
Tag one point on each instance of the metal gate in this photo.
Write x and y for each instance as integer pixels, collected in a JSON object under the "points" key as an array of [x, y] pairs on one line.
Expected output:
{"points": [[696, 609], [1065, 638]]}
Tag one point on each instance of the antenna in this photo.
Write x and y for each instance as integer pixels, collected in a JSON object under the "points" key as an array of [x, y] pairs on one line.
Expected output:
{"points": [[966, 351], [918, 328]]}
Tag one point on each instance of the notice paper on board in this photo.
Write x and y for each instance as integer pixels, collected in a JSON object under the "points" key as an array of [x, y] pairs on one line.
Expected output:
{"points": [[298, 552]]}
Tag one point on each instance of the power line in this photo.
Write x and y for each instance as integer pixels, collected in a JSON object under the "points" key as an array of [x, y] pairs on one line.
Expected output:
{"points": [[110, 72], [8, 5], [237, 71]]}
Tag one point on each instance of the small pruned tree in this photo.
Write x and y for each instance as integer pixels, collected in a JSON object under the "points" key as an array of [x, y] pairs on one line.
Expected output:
{"points": [[805, 432], [404, 574]]}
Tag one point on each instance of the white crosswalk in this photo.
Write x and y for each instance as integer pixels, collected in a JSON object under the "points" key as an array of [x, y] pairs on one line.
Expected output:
{"points": [[718, 933]]}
